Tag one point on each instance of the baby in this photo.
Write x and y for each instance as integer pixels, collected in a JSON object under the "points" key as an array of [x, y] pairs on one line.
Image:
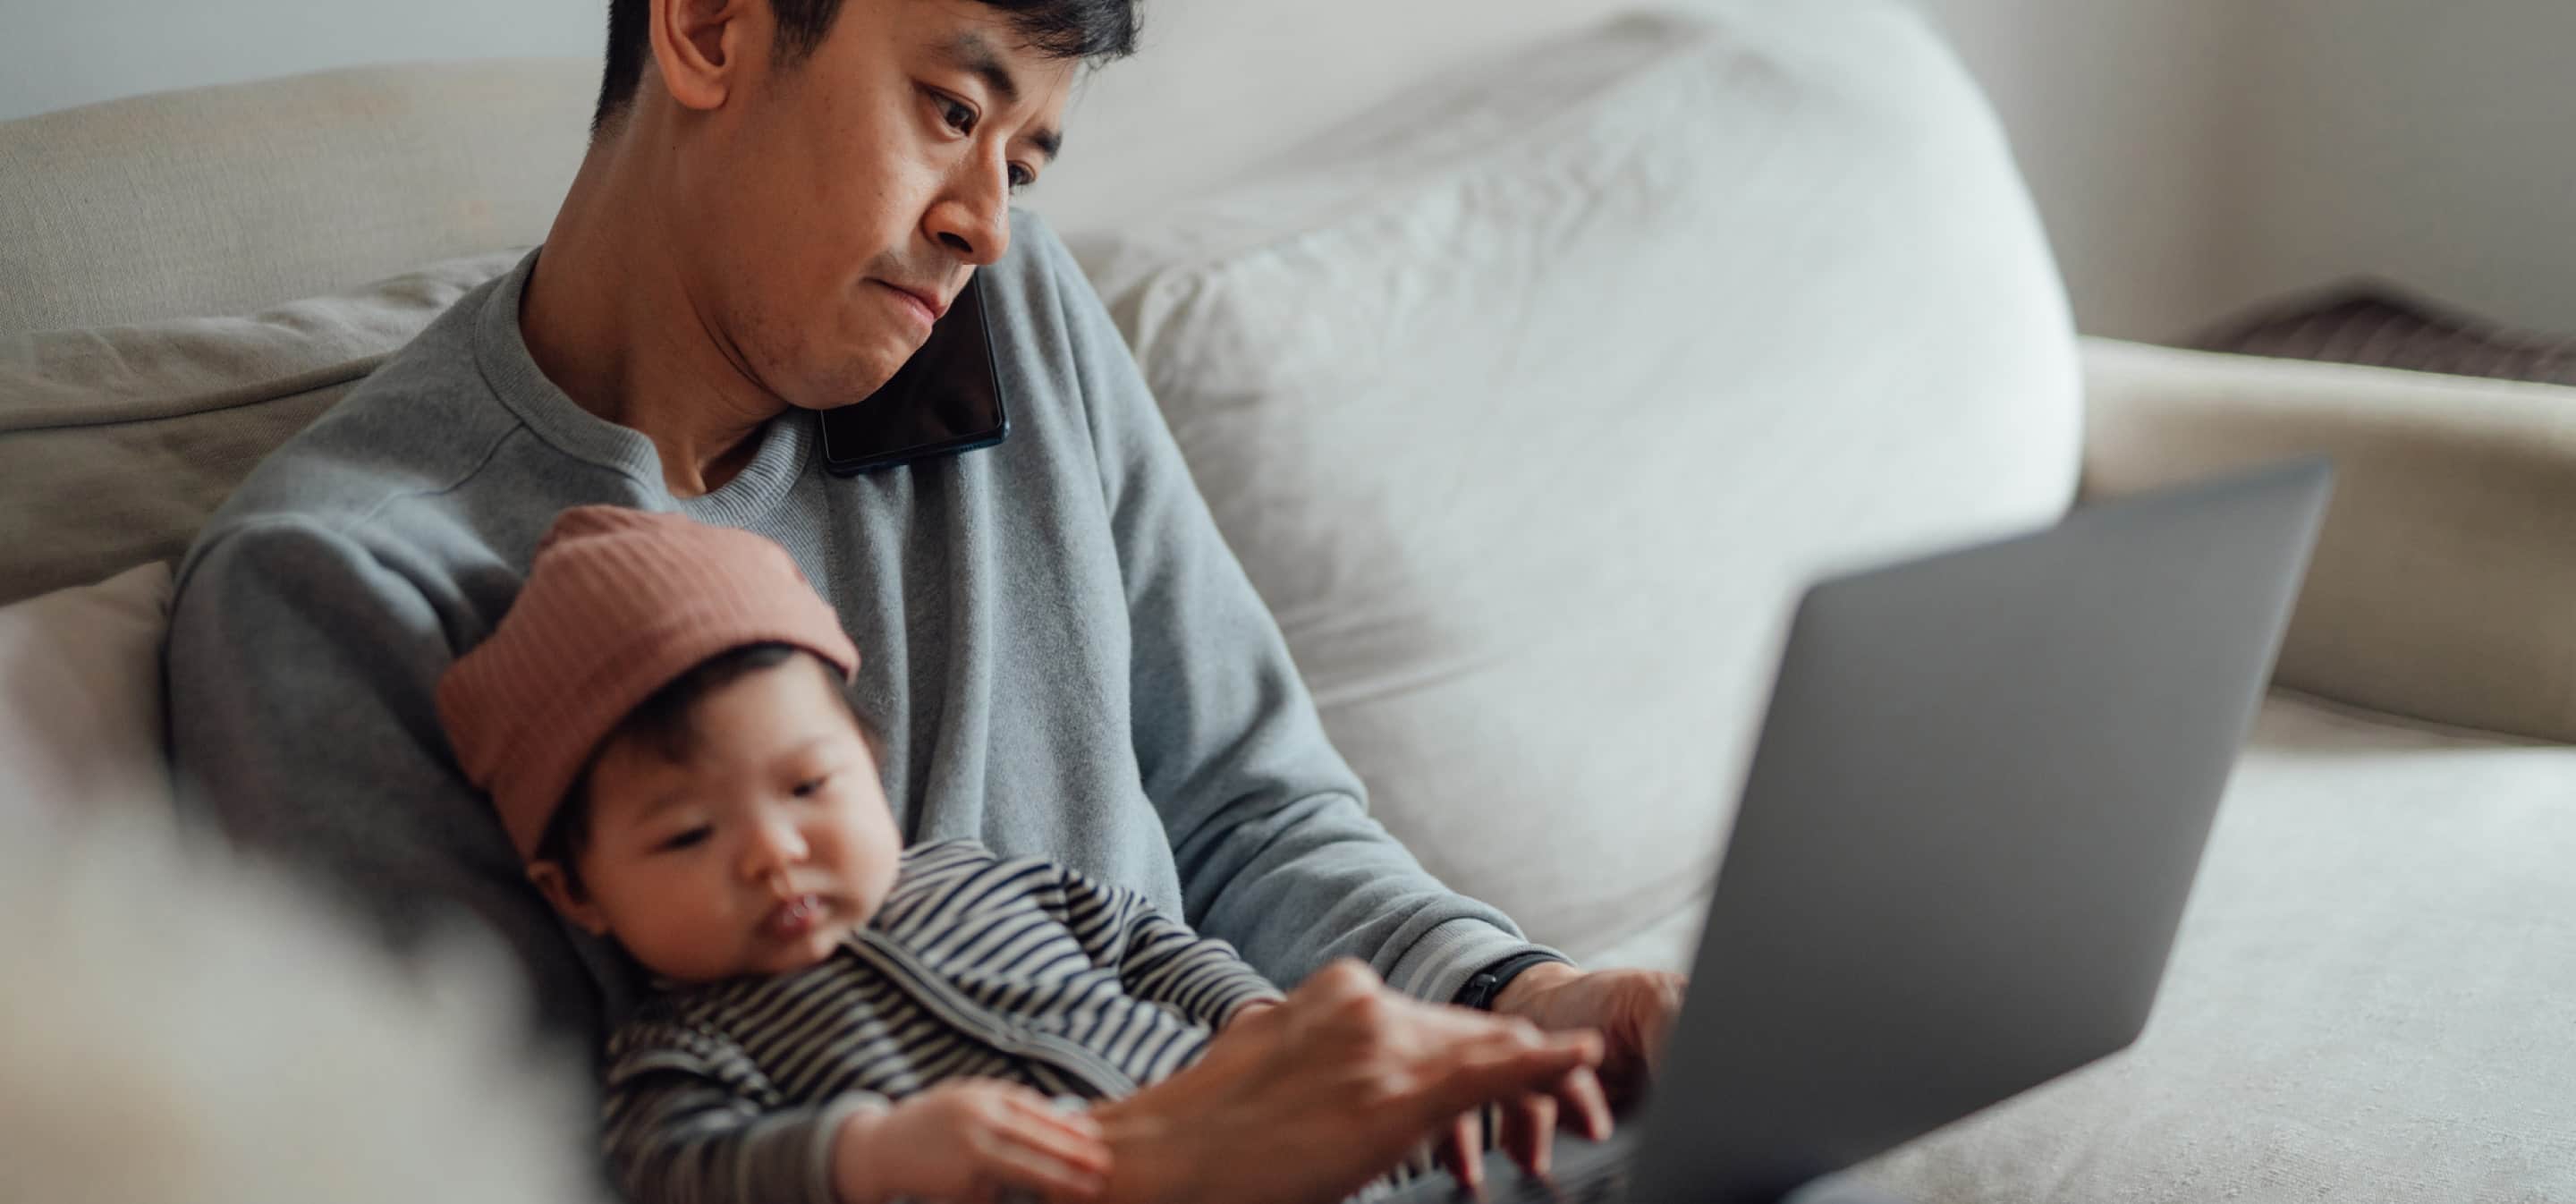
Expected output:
{"points": [[661, 722]]}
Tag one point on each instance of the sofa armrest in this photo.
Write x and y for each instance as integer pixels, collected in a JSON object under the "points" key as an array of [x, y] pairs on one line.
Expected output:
{"points": [[2444, 585]]}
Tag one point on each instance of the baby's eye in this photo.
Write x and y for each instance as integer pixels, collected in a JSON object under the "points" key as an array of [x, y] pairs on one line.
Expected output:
{"points": [[689, 839], [811, 786]]}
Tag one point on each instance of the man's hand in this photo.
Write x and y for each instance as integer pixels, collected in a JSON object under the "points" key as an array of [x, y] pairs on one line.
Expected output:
{"points": [[965, 1141], [1633, 1010], [1305, 1102], [1246, 1011], [1528, 1124]]}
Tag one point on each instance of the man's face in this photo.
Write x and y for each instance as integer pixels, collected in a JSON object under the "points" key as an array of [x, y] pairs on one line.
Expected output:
{"points": [[829, 211], [756, 851]]}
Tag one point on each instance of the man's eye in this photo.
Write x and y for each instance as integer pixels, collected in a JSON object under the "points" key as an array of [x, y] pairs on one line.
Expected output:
{"points": [[1021, 177], [958, 116], [689, 839]]}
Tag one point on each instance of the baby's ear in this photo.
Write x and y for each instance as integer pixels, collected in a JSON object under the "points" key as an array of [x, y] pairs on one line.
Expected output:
{"points": [[558, 888]]}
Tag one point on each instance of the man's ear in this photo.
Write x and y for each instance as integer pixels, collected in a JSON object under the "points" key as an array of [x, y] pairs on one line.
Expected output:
{"points": [[699, 46], [557, 888]]}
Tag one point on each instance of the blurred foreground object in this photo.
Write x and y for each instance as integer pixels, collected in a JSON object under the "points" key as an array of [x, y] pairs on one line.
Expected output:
{"points": [[177, 1025]]}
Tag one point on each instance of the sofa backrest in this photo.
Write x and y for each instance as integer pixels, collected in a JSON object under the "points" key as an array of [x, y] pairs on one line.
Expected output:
{"points": [[228, 200]]}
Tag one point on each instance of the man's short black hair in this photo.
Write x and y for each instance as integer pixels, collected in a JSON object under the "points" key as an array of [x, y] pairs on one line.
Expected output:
{"points": [[663, 720], [1095, 31]]}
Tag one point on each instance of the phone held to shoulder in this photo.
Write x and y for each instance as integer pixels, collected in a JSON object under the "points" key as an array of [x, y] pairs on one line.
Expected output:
{"points": [[946, 399]]}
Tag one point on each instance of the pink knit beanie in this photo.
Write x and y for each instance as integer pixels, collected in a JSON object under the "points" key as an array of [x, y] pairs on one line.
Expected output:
{"points": [[618, 604]]}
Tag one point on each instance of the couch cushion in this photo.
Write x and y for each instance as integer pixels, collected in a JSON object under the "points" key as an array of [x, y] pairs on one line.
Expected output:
{"points": [[80, 701], [2441, 582], [117, 442], [229, 199], [2367, 1003], [1530, 403]]}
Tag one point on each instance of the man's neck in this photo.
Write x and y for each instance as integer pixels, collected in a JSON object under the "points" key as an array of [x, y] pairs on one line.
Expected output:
{"points": [[608, 317]]}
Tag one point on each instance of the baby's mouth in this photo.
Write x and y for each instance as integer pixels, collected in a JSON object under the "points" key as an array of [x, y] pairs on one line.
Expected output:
{"points": [[792, 917]]}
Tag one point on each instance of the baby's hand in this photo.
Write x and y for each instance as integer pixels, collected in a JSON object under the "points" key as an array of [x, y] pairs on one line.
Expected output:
{"points": [[966, 1141]]}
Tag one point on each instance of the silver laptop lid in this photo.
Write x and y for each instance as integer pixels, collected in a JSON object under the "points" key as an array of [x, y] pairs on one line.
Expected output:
{"points": [[1969, 828]]}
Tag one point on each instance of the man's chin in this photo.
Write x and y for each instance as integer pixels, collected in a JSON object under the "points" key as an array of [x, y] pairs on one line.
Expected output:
{"points": [[853, 384]]}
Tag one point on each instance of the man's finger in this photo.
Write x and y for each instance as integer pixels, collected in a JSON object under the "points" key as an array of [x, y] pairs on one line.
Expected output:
{"points": [[1041, 1137], [1020, 1166], [1041, 1110], [1462, 1154], [1586, 1104], [1529, 1133], [1491, 1071]]}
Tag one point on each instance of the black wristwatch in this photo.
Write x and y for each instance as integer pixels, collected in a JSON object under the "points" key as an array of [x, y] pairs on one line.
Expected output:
{"points": [[1484, 985]]}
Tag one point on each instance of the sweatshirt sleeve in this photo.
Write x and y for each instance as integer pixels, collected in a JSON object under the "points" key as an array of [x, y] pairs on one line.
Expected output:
{"points": [[1276, 850], [688, 1119], [300, 672], [1158, 959]]}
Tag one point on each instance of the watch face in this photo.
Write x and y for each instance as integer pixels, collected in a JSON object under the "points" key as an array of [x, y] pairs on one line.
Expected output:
{"points": [[1479, 990]]}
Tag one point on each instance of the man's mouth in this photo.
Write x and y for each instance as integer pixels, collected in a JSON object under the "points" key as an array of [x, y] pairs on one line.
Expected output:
{"points": [[792, 917], [927, 299]]}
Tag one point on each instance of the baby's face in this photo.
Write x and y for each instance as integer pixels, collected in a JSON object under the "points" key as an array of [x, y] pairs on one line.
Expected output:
{"points": [[757, 851]]}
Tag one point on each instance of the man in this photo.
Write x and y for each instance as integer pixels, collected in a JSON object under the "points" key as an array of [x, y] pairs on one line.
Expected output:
{"points": [[780, 198]]}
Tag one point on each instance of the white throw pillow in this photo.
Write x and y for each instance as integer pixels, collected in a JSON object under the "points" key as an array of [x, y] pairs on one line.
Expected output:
{"points": [[1531, 402], [181, 1025], [80, 701]]}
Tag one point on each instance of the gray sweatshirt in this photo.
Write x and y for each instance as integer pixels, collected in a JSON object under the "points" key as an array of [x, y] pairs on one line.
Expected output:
{"points": [[1063, 656]]}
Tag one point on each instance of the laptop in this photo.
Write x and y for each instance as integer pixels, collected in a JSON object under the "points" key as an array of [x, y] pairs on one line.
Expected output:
{"points": [[1965, 841]]}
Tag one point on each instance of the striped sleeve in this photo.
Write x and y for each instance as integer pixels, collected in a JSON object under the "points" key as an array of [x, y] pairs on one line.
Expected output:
{"points": [[1157, 958], [690, 1120]]}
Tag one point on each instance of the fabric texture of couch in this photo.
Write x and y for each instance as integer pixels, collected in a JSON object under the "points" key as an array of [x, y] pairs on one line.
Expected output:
{"points": [[119, 441], [80, 701], [231, 199]]}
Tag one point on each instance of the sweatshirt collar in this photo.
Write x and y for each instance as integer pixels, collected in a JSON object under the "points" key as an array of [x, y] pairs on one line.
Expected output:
{"points": [[501, 352]]}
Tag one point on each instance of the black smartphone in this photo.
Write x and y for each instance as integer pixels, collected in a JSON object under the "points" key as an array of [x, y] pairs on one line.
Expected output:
{"points": [[944, 400]]}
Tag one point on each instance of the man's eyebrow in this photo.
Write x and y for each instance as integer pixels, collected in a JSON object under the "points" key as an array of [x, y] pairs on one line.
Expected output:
{"points": [[972, 52]]}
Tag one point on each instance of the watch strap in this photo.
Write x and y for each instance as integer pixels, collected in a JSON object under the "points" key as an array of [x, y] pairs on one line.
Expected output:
{"points": [[1485, 985]]}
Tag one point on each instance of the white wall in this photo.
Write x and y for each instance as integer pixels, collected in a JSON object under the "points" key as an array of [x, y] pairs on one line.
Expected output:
{"points": [[2119, 112], [2431, 143], [2195, 156], [58, 53]]}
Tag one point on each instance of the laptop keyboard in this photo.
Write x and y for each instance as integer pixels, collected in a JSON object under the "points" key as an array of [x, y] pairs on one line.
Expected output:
{"points": [[1592, 1175], [1605, 1182], [1583, 1172]]}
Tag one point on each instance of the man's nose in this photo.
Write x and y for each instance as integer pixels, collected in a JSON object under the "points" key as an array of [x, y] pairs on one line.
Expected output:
{"points": [[972, 220]]}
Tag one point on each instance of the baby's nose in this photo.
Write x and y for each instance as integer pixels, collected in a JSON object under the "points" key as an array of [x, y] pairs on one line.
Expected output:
{"points": [[774, 844]]}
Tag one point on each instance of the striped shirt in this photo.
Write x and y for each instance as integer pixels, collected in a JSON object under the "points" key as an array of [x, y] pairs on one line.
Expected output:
{"points": [[976, 967]]}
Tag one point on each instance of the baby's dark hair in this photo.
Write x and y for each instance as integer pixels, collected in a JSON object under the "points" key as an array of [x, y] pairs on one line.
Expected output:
{"points": [[663, 719]]}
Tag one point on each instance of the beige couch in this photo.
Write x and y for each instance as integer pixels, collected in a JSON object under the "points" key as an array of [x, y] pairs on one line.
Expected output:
{"points": [[1652, 326]]}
